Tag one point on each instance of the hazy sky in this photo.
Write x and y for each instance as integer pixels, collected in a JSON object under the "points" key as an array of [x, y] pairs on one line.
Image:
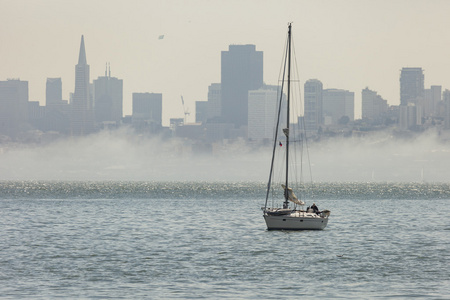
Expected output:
{"points": [[348, 44]]}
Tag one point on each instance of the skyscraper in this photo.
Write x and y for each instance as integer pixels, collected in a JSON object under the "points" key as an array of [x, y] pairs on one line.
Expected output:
{"points": [[262, 112], [214, 107], [57, 111], [432, 98], [313, 104], [337, 104], [373, 105], [409, 116], [53, 92], [241, 71], [147, 108], [446, 99], [108, 98], [13, 106], [82, 121], [201, 108], [411, 86], [412, 93]]}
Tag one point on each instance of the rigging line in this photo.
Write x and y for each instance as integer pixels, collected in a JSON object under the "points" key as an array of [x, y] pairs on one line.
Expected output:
{"points": [[305, 143], [304, 126], [297, 141], [281, 74], [276, 134], [278, 172], [282, 71], [298, 76], [278, 168], [296, 112]]}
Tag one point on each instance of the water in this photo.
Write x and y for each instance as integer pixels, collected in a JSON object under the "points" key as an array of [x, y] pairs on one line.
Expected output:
{"points": [[136, 240]]}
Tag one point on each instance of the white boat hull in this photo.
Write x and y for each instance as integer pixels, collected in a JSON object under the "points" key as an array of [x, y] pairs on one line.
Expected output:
{"points": [[296, 221]]}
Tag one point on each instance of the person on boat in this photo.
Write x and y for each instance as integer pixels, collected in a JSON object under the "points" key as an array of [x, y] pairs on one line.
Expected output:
{"points": [[286, 196], [315, 208]]}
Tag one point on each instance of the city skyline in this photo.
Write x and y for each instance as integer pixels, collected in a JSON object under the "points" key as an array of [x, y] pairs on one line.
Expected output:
{"points": [[174, 48]]}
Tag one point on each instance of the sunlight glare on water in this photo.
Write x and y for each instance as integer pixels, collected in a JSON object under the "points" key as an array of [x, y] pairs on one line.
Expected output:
{"points": [[127, 240]]}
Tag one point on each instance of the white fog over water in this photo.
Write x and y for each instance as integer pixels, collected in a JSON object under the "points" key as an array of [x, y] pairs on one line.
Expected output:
{"points": [[123, 155]]}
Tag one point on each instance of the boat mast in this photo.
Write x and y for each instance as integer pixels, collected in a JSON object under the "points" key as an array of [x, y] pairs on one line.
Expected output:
{"points": [[286, 193], [275, 144]]}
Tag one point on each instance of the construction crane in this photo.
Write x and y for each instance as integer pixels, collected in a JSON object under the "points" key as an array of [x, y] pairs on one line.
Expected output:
{"points": [[186, 112]]}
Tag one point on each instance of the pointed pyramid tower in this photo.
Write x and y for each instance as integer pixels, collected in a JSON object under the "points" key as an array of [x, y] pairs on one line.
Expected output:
{"points": [[82, 56], [82, 121]]}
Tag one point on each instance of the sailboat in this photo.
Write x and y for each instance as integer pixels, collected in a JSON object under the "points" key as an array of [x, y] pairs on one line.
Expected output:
{"points": [[291, 216]]}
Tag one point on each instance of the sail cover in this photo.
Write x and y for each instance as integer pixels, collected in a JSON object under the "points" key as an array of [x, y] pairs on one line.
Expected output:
{"points": [[292, 197]]}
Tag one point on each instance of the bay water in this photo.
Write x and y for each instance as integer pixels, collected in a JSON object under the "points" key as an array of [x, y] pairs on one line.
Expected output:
{"points": [[195, 240]]}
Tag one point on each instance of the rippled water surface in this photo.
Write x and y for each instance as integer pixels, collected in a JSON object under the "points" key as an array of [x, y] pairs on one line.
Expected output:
{"points": [[134, 240]]}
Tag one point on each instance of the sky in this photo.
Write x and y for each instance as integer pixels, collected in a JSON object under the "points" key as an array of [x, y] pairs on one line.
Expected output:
{"points": [[346, 44]]}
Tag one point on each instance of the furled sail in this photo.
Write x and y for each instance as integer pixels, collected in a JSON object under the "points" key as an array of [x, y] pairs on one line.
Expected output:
{"points": [[292, 197]]}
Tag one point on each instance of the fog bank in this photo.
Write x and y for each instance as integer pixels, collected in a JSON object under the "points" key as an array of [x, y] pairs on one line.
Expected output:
{"points": [[122, 155]]}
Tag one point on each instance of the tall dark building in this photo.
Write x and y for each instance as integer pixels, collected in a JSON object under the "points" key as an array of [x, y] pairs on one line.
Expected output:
{"points": [[201, 111], [147, 107], [53, 91], [431, 101], [214, 98], [13, 106], [108, 98], [57, 111], [82, 121], [241, 71], [411, 86]]}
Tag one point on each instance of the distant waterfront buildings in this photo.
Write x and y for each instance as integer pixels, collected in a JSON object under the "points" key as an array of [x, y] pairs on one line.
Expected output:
{"points": [[241, 71], [174, 123], [53, 91], [412, 93], [214, 107], [82, 121], [432, 98], [373, 105], [262, 112], [446, 100], [338, 105], [313, 117], [201, 111], [410, 116], [240, 106], [147, 111], [57, 111], [411, 86], [13, 106], [218, 131], [108, 99]]}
